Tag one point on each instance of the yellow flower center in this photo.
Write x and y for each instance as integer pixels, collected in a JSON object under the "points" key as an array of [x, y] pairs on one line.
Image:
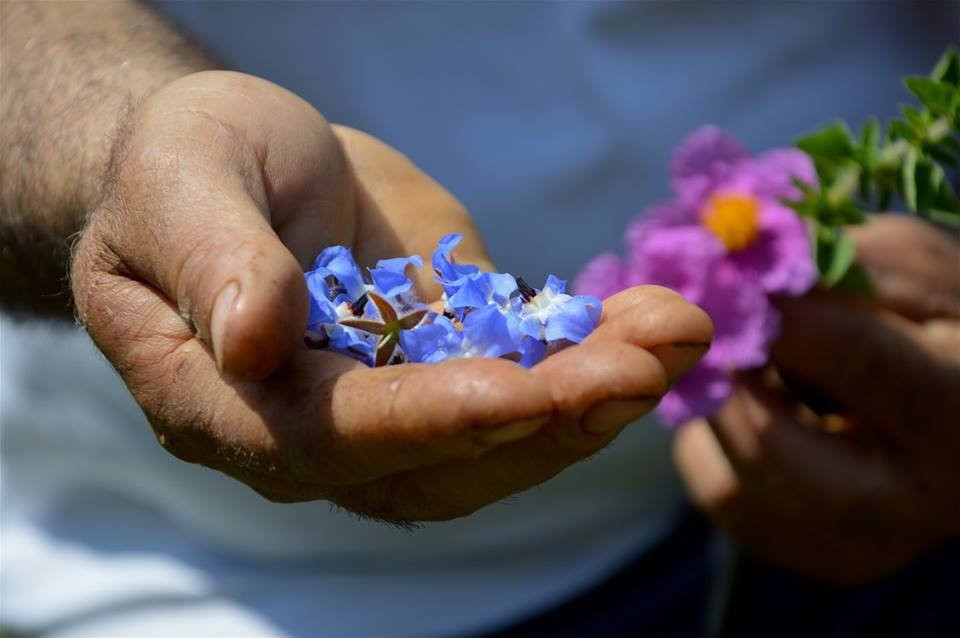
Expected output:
{"points": [[733, 219]]}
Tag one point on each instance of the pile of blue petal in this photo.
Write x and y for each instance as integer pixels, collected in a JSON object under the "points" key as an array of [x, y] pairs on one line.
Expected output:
{"points": [[485, 314]]}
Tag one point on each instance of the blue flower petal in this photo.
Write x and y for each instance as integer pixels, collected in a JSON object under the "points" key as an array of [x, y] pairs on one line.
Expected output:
{"points": [[322, 309], [480, 289], [445, 270], [390, 283], [399, 264], [487, 332], [531, 327], [502, 286], [339, 262], [573, 319], [555, 285], [531, 351], [389, 278], [353, 343], [470, 293], [431, 342]]}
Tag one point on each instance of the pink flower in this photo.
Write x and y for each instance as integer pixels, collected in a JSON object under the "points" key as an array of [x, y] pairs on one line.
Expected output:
{"points": [[726, 241]]}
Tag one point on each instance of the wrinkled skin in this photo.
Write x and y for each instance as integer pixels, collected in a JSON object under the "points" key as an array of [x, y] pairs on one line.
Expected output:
{"points": [[224, 181], [850, 506]]}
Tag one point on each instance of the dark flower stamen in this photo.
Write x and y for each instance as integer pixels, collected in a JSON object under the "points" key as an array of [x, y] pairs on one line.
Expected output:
{"points": [[527, 291], [359, 305]]}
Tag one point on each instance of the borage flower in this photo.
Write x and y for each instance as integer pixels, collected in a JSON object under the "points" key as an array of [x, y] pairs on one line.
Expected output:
{"points": [[485, 314], [550, 314], [464, 285], [726, 241], [359, 319]]}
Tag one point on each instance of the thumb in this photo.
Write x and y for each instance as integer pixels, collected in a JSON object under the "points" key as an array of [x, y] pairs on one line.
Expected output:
{"points": [[231, 279], [193, 194], [245, 294]]}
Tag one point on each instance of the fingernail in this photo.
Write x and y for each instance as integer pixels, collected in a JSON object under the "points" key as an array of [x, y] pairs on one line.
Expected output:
{"points": [[222, 308], [678, 358], [512, 431], [613, 414]]}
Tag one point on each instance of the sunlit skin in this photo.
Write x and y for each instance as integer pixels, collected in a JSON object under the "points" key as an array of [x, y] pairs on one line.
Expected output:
{"points": [[226, 183]]}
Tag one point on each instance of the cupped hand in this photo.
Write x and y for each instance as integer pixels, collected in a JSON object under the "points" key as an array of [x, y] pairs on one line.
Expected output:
{"points": [[849, 497], [189, 277]]}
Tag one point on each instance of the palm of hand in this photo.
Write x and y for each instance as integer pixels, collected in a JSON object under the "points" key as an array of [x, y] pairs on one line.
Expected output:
{"points": [[189, 278]]}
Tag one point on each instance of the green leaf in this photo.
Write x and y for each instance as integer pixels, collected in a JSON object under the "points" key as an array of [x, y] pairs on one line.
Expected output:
{"points": [[849, 213], [867, 154], [870, 133], [884, 195], [913, 115], [908, 179], [844, 184], [928, 179], [901, 129], [835, 253], [947, 68], [947, 199], [936, 96], [834, 141], [942, 155], [856, 282], [945, 217]]}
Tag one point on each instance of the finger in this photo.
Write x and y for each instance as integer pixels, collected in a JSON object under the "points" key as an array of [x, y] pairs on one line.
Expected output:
{"points": [[403, 211], [913, 266], [942, 339], [800, 467], [598, 389], [200, 182], [788, 528], [876, 370], [705, 470], [595, 384], [659, 320]]}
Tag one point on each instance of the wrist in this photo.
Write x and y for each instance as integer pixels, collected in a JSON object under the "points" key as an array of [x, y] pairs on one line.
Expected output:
{"points": [[72, 73]]}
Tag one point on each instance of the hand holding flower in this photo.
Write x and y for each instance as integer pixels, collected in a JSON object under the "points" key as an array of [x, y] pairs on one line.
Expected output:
{"points": [[848, 505]]}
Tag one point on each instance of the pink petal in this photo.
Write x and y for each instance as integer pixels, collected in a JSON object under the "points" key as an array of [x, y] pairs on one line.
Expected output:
{"points": [[699, 393], [744, 322], [707, 157], [773, 173], [679, 257], [601, 277], [662, 215], [781, 259]]}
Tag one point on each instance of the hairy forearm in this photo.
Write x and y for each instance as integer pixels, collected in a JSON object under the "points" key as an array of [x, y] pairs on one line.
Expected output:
{"points": [[70, 72]]}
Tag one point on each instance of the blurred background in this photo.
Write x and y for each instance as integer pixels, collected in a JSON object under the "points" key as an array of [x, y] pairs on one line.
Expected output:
{"points": [[553, 121]]}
